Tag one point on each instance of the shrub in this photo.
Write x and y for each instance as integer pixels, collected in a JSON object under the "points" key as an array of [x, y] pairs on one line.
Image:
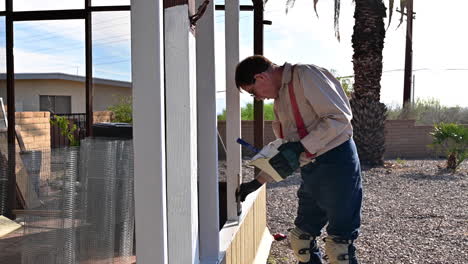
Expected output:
{"points": [[66, 129], [122, 110], [247, 112], [453, 140], [429, 112]]}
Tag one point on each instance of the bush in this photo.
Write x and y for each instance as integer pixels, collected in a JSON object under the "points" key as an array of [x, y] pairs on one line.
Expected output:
{"points": [[66, 129], [429, 112], [453, 140], [247, 112], [122, 110]]}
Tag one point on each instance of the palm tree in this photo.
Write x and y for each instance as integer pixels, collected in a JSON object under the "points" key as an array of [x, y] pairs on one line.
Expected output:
{"points": [[368, 42], [369, 113]]}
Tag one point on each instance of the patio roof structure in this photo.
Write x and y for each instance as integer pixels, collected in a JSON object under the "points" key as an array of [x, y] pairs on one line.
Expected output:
{"points": [[175, 130], [12, 16]]}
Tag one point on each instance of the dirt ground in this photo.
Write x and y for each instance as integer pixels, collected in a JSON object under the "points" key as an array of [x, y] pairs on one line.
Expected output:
{"points": [[413, 212]]}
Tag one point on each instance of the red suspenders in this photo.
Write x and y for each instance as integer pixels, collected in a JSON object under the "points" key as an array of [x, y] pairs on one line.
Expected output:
{"points": [[301, 130]]}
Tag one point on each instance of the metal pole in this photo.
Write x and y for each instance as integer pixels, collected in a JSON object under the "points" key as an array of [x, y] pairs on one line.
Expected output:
{"points": [[258, 50], [408, 54], [89, 68], [11, 204]]}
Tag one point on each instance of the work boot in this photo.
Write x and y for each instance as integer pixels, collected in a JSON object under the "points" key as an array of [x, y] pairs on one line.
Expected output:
{"points": [[340, 251], [305, 247]]}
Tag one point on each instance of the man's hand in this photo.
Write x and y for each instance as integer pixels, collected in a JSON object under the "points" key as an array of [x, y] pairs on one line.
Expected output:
{"points": [[246, 188], [287, 160]]}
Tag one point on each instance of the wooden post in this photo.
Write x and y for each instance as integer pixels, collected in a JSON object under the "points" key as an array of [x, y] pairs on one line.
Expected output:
{"points": [[208, 198], [181, 133], [11, 198], [89, 68], [408, 54], [149, 131], [233, 129], [258, 50]]}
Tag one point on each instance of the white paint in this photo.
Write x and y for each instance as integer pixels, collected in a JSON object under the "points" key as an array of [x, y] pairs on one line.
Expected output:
{"points": [[149, 131], [181, 129], [233, 129], [208, 199]]}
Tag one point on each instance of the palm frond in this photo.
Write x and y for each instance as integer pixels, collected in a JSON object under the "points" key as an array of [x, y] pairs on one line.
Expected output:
{"points": [[377, 3], [337, 19], [390, 12], [289, 4], [315, 7], [403, 5]]}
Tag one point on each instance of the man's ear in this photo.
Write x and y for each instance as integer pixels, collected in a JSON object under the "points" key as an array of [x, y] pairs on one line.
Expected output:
{"points": [[259, 76]]}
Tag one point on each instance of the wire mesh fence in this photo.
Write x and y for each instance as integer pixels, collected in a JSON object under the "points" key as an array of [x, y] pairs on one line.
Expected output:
{"points": [[79, 203]]}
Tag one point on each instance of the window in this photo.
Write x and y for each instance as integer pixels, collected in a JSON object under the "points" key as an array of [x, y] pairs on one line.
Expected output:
{"points": [[55, 104]]}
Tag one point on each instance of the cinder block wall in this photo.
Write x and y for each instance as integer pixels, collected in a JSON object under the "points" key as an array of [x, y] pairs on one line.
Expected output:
{"points": [[103, 117], [403, 138], [35, 129]]}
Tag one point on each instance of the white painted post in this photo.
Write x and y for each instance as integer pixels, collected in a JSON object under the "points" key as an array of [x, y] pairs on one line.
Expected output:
{"points": [[149, 131], [181, 136], [233, 129], [208, 200]]}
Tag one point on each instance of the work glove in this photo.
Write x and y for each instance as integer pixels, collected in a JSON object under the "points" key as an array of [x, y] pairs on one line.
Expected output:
{"points": [[246, 188], [287, 160]]}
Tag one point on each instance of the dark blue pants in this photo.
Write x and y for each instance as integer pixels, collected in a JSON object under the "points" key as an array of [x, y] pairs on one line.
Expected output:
{"points": [[331, 192]]}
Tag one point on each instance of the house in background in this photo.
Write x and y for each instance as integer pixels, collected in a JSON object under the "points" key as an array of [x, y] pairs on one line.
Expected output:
{"points": [[62, 93]]}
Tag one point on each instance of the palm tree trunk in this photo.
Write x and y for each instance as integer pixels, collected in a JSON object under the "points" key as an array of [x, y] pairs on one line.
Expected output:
{"points": [[369, 114]]}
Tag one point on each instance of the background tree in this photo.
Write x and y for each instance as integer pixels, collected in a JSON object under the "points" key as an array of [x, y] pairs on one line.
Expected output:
{"points": [[247, 112], [122, 110]]}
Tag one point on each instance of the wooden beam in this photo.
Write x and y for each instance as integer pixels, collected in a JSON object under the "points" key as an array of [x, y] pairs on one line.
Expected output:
{"points": [[109, 8], [242, 8], [10, 81], [49, 15], [149, 131], [258, 50], [181, 136], [89, 69], [208, 198], [233, 128]]}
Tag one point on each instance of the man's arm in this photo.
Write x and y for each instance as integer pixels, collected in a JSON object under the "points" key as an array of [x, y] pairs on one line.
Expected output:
{"points": [[262, 178]]}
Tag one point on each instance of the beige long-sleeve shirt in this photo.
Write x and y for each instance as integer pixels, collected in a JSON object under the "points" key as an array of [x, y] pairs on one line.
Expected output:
{"points": [[323, 105]]}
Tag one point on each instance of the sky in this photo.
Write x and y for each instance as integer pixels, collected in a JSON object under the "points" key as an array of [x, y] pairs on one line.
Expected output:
{"points": [[440, 59]]}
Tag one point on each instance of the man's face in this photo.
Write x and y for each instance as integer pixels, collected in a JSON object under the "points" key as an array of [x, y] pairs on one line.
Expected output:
{"points": [[263, 87]]}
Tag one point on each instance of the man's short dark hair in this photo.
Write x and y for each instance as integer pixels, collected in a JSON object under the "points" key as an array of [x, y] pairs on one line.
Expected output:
{"points": [[249, 67]]}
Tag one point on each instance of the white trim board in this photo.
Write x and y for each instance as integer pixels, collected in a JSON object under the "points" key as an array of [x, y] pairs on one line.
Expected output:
{"points": [[233, 120], [149, 131], [181, 137], [208, 198]]}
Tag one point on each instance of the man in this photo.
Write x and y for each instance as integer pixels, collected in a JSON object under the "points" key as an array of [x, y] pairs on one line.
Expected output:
{"points": [[313, 116]]}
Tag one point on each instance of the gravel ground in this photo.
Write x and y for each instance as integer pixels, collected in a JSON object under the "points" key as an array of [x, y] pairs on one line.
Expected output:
{"points": [[413, 212]]}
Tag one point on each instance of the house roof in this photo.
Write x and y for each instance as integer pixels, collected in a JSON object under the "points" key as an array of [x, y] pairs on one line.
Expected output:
{"points": [[66, 77]]}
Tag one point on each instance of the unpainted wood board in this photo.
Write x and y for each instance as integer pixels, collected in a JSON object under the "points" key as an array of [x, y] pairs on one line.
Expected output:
{"points": [[7, 226]]}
